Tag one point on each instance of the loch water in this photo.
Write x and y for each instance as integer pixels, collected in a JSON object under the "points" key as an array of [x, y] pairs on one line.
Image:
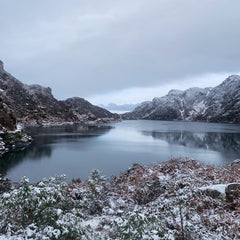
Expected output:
{"points": [[75, 150]]}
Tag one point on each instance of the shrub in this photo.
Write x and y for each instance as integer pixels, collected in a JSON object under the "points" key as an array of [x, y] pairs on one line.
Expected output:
{"points": [[39, 210], [138, 226]]}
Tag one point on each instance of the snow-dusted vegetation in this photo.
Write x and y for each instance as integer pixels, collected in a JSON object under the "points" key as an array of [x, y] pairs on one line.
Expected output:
{"points": [[177, 199]]}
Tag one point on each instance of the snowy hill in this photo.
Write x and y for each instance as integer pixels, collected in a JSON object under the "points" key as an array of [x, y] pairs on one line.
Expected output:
{"points": [[119, 107], [219, 104]]}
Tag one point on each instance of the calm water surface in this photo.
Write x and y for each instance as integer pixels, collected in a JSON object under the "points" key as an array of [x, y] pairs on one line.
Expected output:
{"points": [[76, 150]]}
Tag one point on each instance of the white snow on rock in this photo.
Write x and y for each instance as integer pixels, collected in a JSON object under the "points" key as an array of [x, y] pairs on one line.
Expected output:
{"points": [[218, 187], [219, 104]]}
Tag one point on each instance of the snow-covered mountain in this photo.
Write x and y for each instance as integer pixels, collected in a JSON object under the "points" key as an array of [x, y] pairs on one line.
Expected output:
{"points": [[119, 107], [219, 104]]}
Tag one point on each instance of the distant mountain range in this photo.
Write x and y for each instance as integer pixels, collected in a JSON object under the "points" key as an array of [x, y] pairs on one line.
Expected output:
{"points": [[218, 104], [34, 104], [122, 107]]}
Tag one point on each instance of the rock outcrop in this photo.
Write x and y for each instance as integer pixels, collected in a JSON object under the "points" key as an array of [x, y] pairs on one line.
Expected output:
{"points": [[219, 104], [232, 192]]}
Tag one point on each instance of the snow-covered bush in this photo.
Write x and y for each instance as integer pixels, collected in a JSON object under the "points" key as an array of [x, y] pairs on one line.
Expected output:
{"points": [[96, 178], [137, 225], [41, 211], [91, 195]]}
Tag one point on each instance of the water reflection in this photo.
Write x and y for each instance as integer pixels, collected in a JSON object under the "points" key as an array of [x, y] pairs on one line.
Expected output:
{"points": [[46, 139], [33, 152], [49, 135], [77, 149], [224, 142]]}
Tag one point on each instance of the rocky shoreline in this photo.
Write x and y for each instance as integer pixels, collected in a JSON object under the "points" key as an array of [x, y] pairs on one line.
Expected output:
{"points": [[11, 141], [177, 199]]}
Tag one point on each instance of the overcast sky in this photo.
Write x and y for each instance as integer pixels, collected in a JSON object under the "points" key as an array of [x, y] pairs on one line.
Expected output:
{"points": [[124, 51]]}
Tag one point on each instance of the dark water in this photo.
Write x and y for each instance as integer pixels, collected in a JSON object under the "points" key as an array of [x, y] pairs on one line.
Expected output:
{"points": [[76, 150]]}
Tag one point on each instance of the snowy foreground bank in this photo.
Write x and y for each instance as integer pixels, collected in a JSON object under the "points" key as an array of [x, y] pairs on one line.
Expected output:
{"points": [[177, 199]]}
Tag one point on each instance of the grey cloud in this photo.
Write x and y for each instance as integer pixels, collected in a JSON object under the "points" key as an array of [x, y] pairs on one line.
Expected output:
{"points": [[88, 47]]}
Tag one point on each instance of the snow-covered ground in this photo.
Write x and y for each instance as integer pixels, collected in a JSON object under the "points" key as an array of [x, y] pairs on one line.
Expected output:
{"points": [[177, 199]]}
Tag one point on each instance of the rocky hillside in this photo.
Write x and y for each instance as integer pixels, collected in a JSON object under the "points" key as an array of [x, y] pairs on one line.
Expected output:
{"points": [[84, 109], [219, 104], [7, 120], [36, 104]]}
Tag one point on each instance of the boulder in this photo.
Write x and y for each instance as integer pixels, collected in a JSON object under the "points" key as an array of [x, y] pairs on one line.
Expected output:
{"points": [[235, 163], [214, 191], [232, 192]]}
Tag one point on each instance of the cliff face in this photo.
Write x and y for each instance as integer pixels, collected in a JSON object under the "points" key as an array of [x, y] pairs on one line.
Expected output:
{"points": [[36, 104], [219, 104], [222, 104]]}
